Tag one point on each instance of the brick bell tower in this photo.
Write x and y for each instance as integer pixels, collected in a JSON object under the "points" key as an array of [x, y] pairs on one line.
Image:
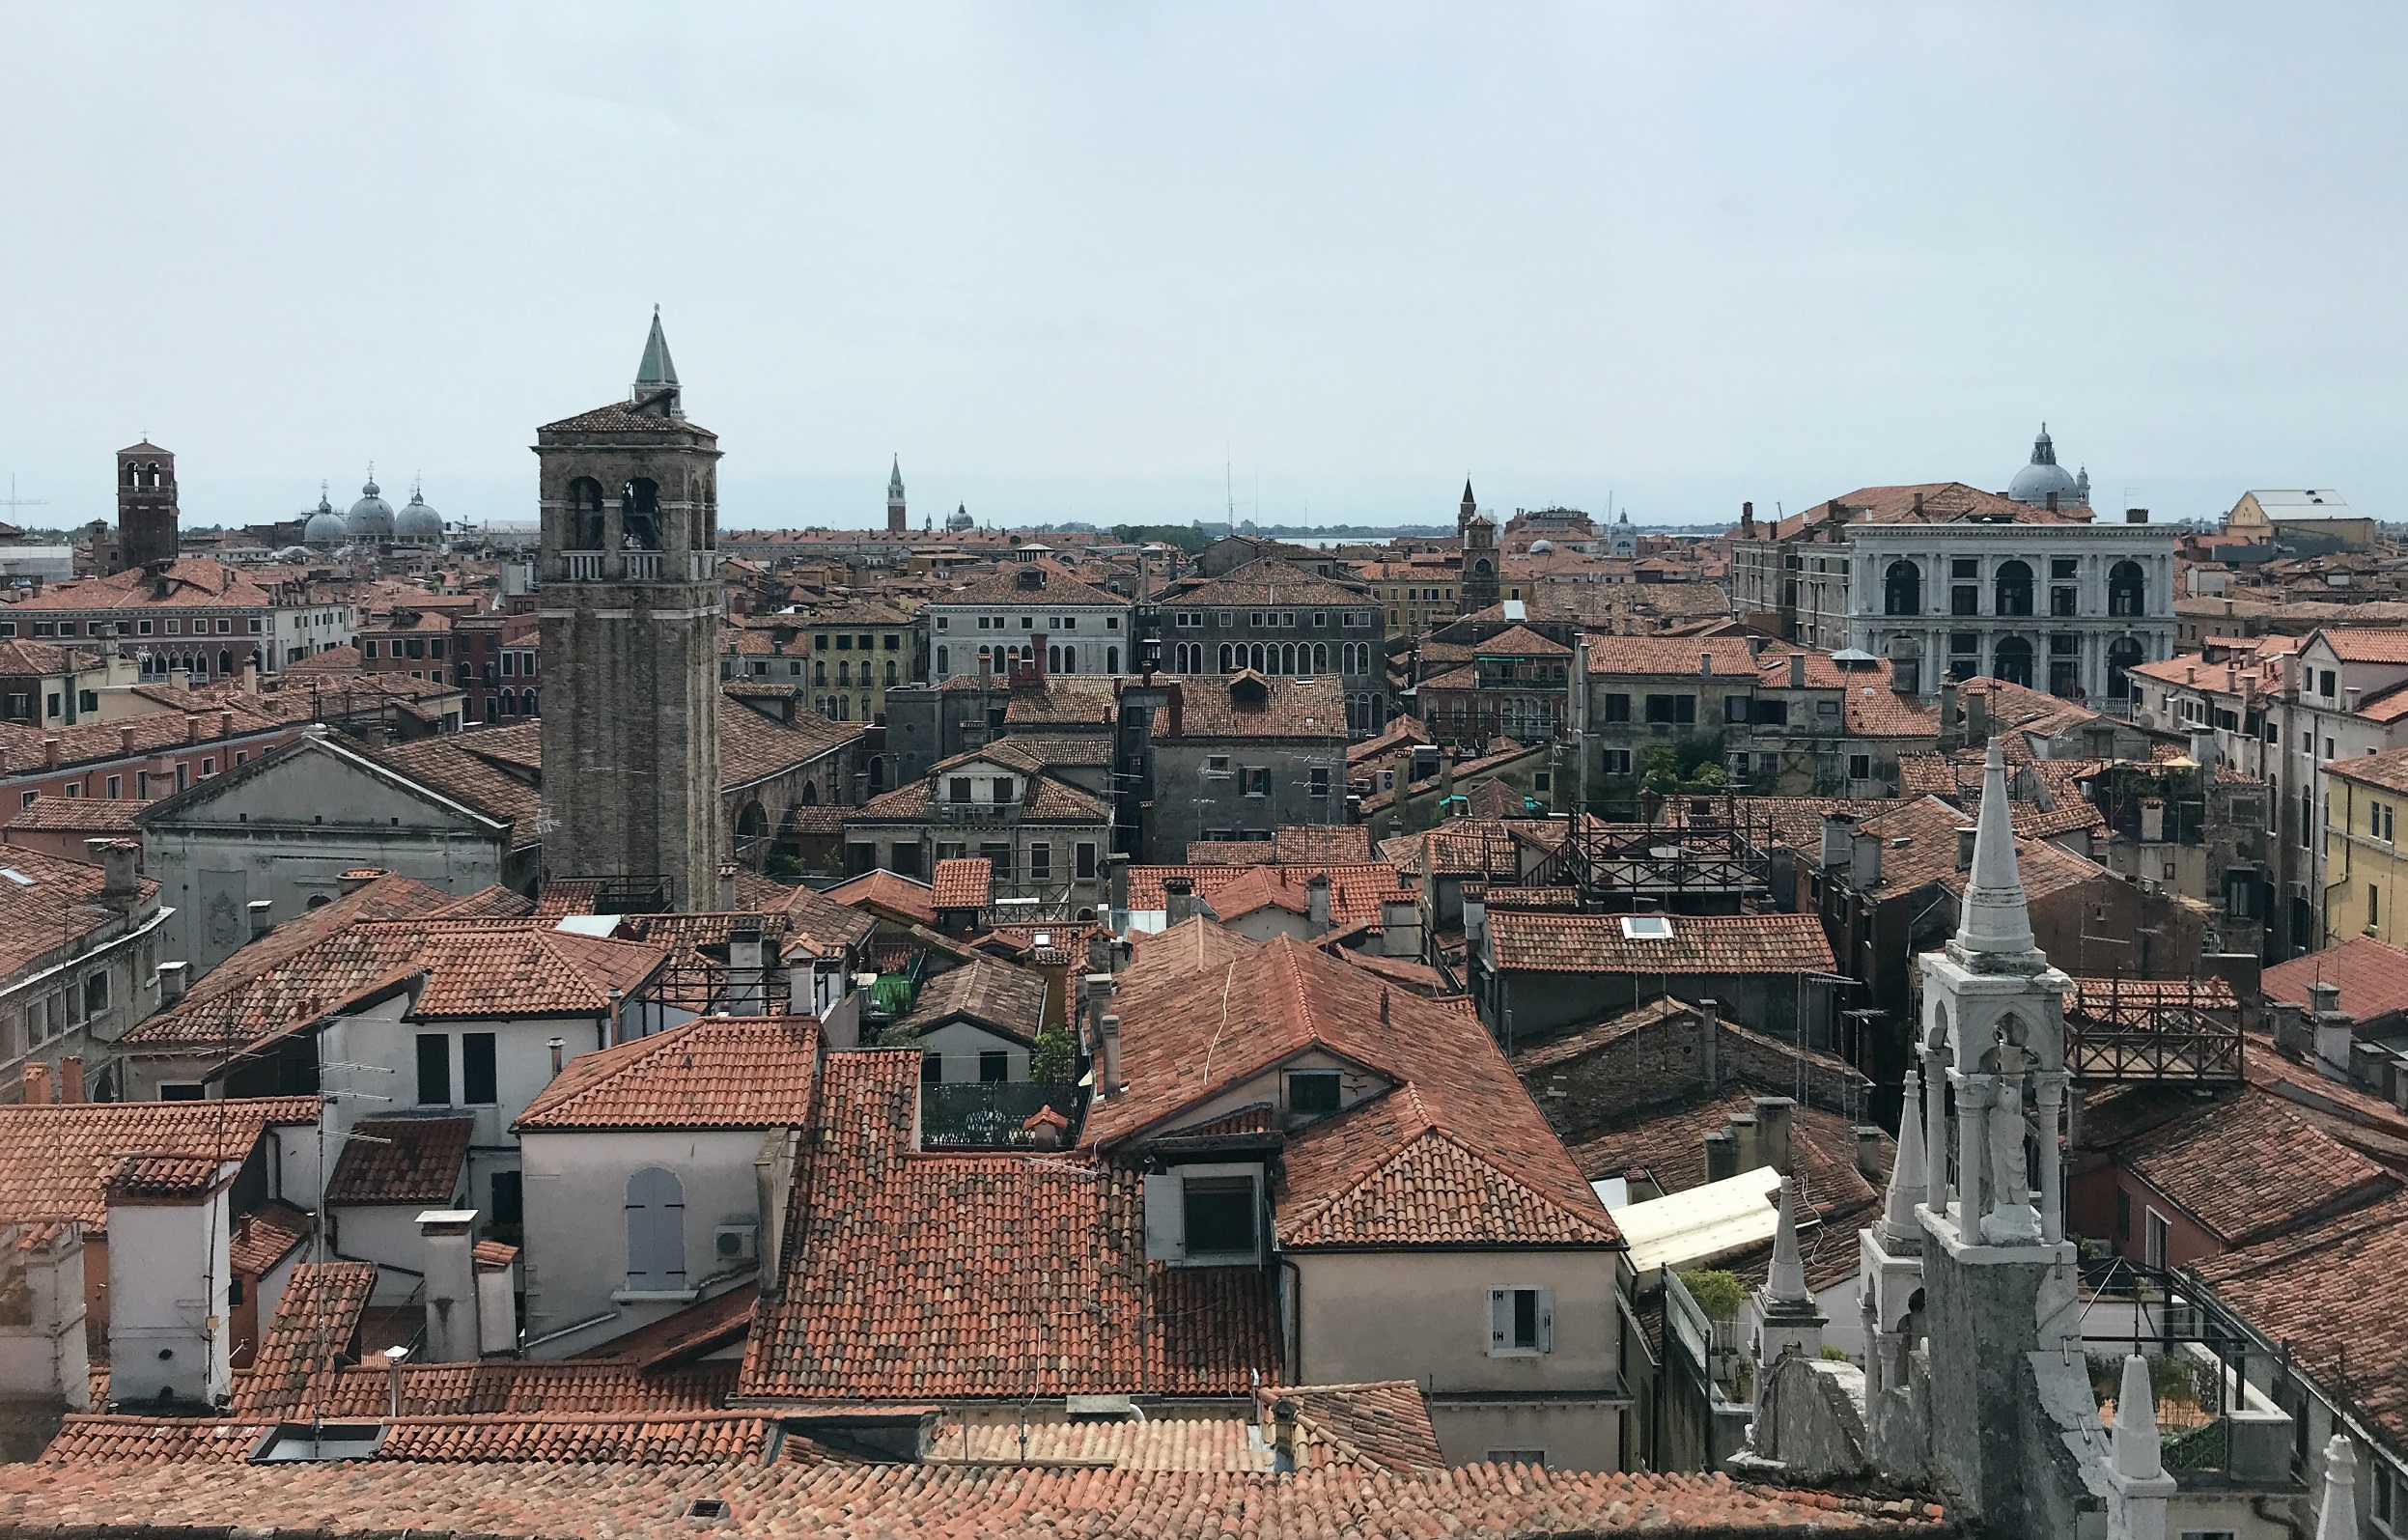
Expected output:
{"points": [[146, 506], [894, 499], [629, 601]]}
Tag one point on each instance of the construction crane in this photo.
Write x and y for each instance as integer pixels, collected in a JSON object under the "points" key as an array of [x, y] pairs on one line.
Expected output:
{"points": [[15, 501]]}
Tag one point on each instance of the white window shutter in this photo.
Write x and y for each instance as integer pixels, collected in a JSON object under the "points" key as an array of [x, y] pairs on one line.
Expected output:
{"points": [[1546, 1320], [1166, 1218], [1500, 1320]]}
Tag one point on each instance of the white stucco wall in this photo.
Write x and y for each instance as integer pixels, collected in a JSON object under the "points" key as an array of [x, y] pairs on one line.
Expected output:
{"points": [[522, 1065], [386, 1234], [167, 1282], [1426, 1316], [961, 1042], [576, 1243]]}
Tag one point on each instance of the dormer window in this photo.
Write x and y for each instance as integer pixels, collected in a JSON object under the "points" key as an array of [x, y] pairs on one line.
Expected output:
{"points": [[1313, 1093]]}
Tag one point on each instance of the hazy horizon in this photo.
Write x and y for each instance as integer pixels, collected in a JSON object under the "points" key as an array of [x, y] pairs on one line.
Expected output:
{"points": [[1123, 263]]}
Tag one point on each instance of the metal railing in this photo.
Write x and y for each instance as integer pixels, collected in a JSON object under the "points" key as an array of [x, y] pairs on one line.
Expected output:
{"points": [[990, 1116]]}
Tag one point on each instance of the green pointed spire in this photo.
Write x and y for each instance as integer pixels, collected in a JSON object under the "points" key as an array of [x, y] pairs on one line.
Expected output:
{"points": [[656, 371]]}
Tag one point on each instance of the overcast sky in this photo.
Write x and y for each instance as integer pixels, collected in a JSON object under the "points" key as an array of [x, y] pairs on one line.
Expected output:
{"points": [[1069, 259]]}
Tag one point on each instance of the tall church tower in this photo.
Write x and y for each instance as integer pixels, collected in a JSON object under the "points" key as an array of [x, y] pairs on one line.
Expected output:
{"points": [[1475, 582], [894, 499], [146, 506], [631, 603]]}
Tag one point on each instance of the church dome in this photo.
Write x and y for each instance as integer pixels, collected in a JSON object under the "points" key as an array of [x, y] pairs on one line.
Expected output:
{"points": [[417, 524], [325, 528], [960, 521], [2044, 475], [371, 517]]}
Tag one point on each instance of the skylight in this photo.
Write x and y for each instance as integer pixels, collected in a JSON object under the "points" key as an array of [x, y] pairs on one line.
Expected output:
{"points": [[1646, 928], [16, 876]]}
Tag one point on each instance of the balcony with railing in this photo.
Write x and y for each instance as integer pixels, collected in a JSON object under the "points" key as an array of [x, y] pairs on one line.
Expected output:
{"points": [[641, 566], [579, 567], [994, 1116]]}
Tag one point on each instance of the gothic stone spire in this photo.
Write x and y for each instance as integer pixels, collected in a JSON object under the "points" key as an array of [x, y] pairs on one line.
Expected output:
{"points": [[1995, 922]]}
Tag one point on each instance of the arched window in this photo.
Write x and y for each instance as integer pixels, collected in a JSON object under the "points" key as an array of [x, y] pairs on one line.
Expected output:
{"points": [[1287, 659], [507, 703], [844, 671], [819, 671], [2124, 653], [1255, 651], [1227, 666], [890, 670], [225, 662], [1321, 658], [1481, 568], [1111, 659], [655, 1231], [586, 514], [2014, 590], [877, 774], [2013, 661], [944, 661], [1902, 589], [751, 823], [639, 514], [1053, 659], [2126, 589]]}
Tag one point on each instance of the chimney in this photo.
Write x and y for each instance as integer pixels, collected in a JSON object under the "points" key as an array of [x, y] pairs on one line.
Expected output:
{"points": [[120, 861], [2152, 820], [168, 1218], [451, 1286], [126, 740], [250, 676], [37, 1084], [225, 724], [1705, 665], [352, 879], [1864, 863], [1317, 904], [193, 727], [727, 887], [1775, 1120], [1108, 1065], [557, 1046], [1400, 925], [49, 753], [1710, 1044], [1797, 670], [497, 1303], [2136, 515], [1868, 1161], [1838, 834], [1721, 1155], [172, 978], [1965, 848], [71, 1078], [747, 981], [1283, 1437], [1474, 913], [1179, 900], [1178, 698], [261, 924], [1918, 505]]}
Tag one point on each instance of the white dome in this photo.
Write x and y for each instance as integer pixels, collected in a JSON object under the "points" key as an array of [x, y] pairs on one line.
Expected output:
{"points": [[325, 528]]}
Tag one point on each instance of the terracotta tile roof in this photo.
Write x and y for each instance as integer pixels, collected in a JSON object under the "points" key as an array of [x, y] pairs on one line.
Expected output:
{"points": [[1256, 1008], [494, 903], [1248, 705], [1382, 1426], [401, 1160], [55, 1157], [1037, 1285], [59, 902], [333, 661], [1384, 1423], [316, 1318], [1920, 845], [449, 764], [386, 898], [831, 1501], [1665, 657], [2314, 1293], [491, 1256], [1003, 590], [475, 970], [831, 926], [2372, 976], [1355, 888], [993, 994], [1470, 847], [263, 1237], [1399, 733], [93, 815], [692, 1438], [963, 882], [754, 748], [714, 1072], [1047, 800], [1385, 1174], [1077, 701], [1268, 581], [1700, 943], [1876, 710], [2249, 1167], [1040, 752], [883, 889], [1943, 502], [616, 419], [698, 1329], [523, 1388], [194, 582]]}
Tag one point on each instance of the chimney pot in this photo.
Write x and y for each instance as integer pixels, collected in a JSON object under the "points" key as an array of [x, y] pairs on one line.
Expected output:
{"points": [[1965, 849], [1108, 1077], [71, 1078], [172, 977], [49, 753], [37, 1084], [261, 922], [1797, 670]]}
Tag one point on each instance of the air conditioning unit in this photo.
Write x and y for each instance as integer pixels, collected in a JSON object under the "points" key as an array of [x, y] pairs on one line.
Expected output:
{"points": [[736, 1243]]}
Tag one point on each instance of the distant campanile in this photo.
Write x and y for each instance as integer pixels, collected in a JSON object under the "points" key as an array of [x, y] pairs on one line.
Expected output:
{"points": [[894, 499], [630, 605], [146, 506]]}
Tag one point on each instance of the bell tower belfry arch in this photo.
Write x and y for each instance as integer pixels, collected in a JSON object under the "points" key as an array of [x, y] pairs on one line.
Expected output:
{"points": [[630, 603]]}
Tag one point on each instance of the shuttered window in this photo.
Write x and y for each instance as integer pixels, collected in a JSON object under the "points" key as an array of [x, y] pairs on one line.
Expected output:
{"points": [[656, 1230], [1521, 1320]]}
